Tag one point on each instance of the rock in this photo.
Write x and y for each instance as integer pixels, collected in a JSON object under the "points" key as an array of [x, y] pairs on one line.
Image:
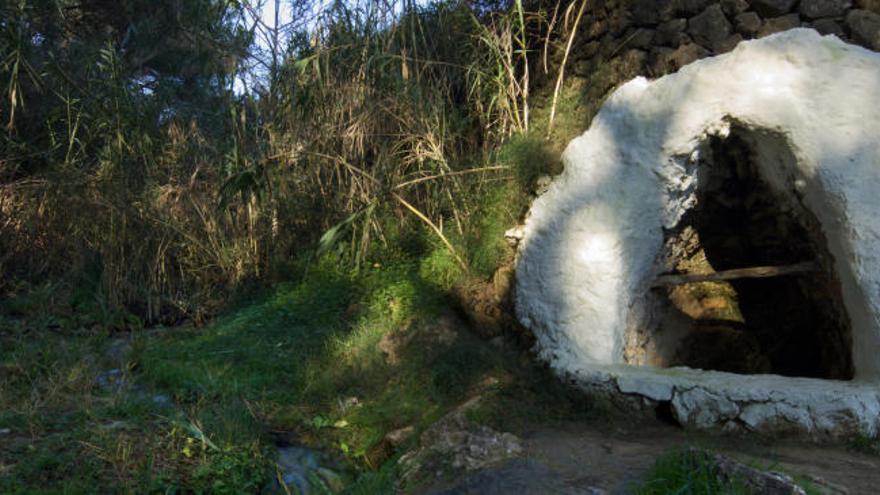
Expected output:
{"points": [[649, 12], [657, 62], [755, 481], [734, 7], [485, 447], [772, 8], [628, 65], [332, 480], [298, 468], [710, 28], [294, 465], [400, 436], [865, 27], [684, 55], [687, 8], [655, 390], [514, 235], [593, 30], [748, 24], [587, 52], [453, 446], [434, 336], [391, 345], [617, 23], [729, 43], [542, 183], [814, 9], [111, 380], [779, 24], [776, 416], [701, 409], [642, 38], [348, 403], [872, 5], [671, 33], [828, 26]]}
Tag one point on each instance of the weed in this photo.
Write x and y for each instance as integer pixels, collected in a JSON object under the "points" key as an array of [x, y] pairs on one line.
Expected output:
{"points": [[686, 472], [865, 444]]}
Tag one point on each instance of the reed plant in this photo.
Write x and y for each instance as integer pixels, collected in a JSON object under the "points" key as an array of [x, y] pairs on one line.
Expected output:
{"points": [[142, 163]]}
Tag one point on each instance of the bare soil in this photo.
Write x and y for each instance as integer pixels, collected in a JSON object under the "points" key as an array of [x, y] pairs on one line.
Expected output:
{"points": [[614, 456]]}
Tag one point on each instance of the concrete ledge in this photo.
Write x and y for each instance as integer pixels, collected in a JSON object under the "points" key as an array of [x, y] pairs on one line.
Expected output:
{"points": [[760, 403]]}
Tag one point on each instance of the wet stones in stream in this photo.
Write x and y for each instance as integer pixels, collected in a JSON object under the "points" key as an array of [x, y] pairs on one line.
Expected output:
{"points": [[304, 471]]}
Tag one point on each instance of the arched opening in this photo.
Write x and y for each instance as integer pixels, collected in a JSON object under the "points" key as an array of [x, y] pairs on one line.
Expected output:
{"points": [[779, 308]]}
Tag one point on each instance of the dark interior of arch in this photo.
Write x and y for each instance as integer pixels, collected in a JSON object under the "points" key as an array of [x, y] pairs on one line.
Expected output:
{"points": [[792, 325]]}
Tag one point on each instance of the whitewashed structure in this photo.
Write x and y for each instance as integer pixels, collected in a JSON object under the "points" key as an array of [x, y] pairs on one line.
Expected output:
{"points": [[810, 107]]}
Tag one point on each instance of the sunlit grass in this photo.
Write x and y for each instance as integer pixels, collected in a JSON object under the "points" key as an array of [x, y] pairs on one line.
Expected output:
{"points": [[306, 358]]}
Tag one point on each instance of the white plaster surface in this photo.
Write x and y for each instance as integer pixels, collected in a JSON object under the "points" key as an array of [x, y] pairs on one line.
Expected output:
{"points": [[590, 244]]}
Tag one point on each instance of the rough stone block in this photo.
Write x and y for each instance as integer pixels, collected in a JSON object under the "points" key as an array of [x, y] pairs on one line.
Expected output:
{"points": [[828, 26], [687, 8], [702, 409], [593, 30], [684, 55], [657, 61], [640, 38], [815, 9], [729, 43], [671, 33], [865, 27], [748, 24], [772, 8], [734, 7], [618, 22], [649, 12], [779, 24], [710, 28], [871, 5]]}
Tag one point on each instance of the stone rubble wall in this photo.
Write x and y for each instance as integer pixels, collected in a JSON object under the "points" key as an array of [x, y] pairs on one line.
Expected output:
{"points": [[621, 39]]}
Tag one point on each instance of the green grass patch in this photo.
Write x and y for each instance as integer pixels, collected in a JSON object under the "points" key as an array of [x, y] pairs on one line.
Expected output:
{"points": [[865, 444], [335, 360], [503, 206], [686, 472]]}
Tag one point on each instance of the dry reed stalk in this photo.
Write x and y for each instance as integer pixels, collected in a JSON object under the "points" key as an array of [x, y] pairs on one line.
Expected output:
{"points": [[561, 74]]}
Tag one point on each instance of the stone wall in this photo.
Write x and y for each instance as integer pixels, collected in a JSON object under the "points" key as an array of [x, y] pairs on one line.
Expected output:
{"points": [[622, 39]]}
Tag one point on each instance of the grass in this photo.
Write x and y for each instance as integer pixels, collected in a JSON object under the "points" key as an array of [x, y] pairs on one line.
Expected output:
{"points": [[528, 157], [865, 444], [307, 360], [686, 472]]}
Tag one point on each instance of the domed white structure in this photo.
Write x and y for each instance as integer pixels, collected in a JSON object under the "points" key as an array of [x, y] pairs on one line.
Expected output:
{"points": [[594, 245]]}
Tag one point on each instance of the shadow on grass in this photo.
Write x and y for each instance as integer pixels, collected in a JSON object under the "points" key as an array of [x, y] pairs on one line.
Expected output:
{"points": [[337, 362]]}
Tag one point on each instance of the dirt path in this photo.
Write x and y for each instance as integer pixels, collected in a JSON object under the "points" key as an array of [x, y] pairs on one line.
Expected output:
{"points": [[580, 458], [613, 456]]}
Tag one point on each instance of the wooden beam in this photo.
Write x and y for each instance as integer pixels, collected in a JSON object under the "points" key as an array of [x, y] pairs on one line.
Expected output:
{"points": [[754, 272]]}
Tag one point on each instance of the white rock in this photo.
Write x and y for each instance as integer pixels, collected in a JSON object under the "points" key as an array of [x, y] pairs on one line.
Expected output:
{"points": [[659, 390], [702, 409]]}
